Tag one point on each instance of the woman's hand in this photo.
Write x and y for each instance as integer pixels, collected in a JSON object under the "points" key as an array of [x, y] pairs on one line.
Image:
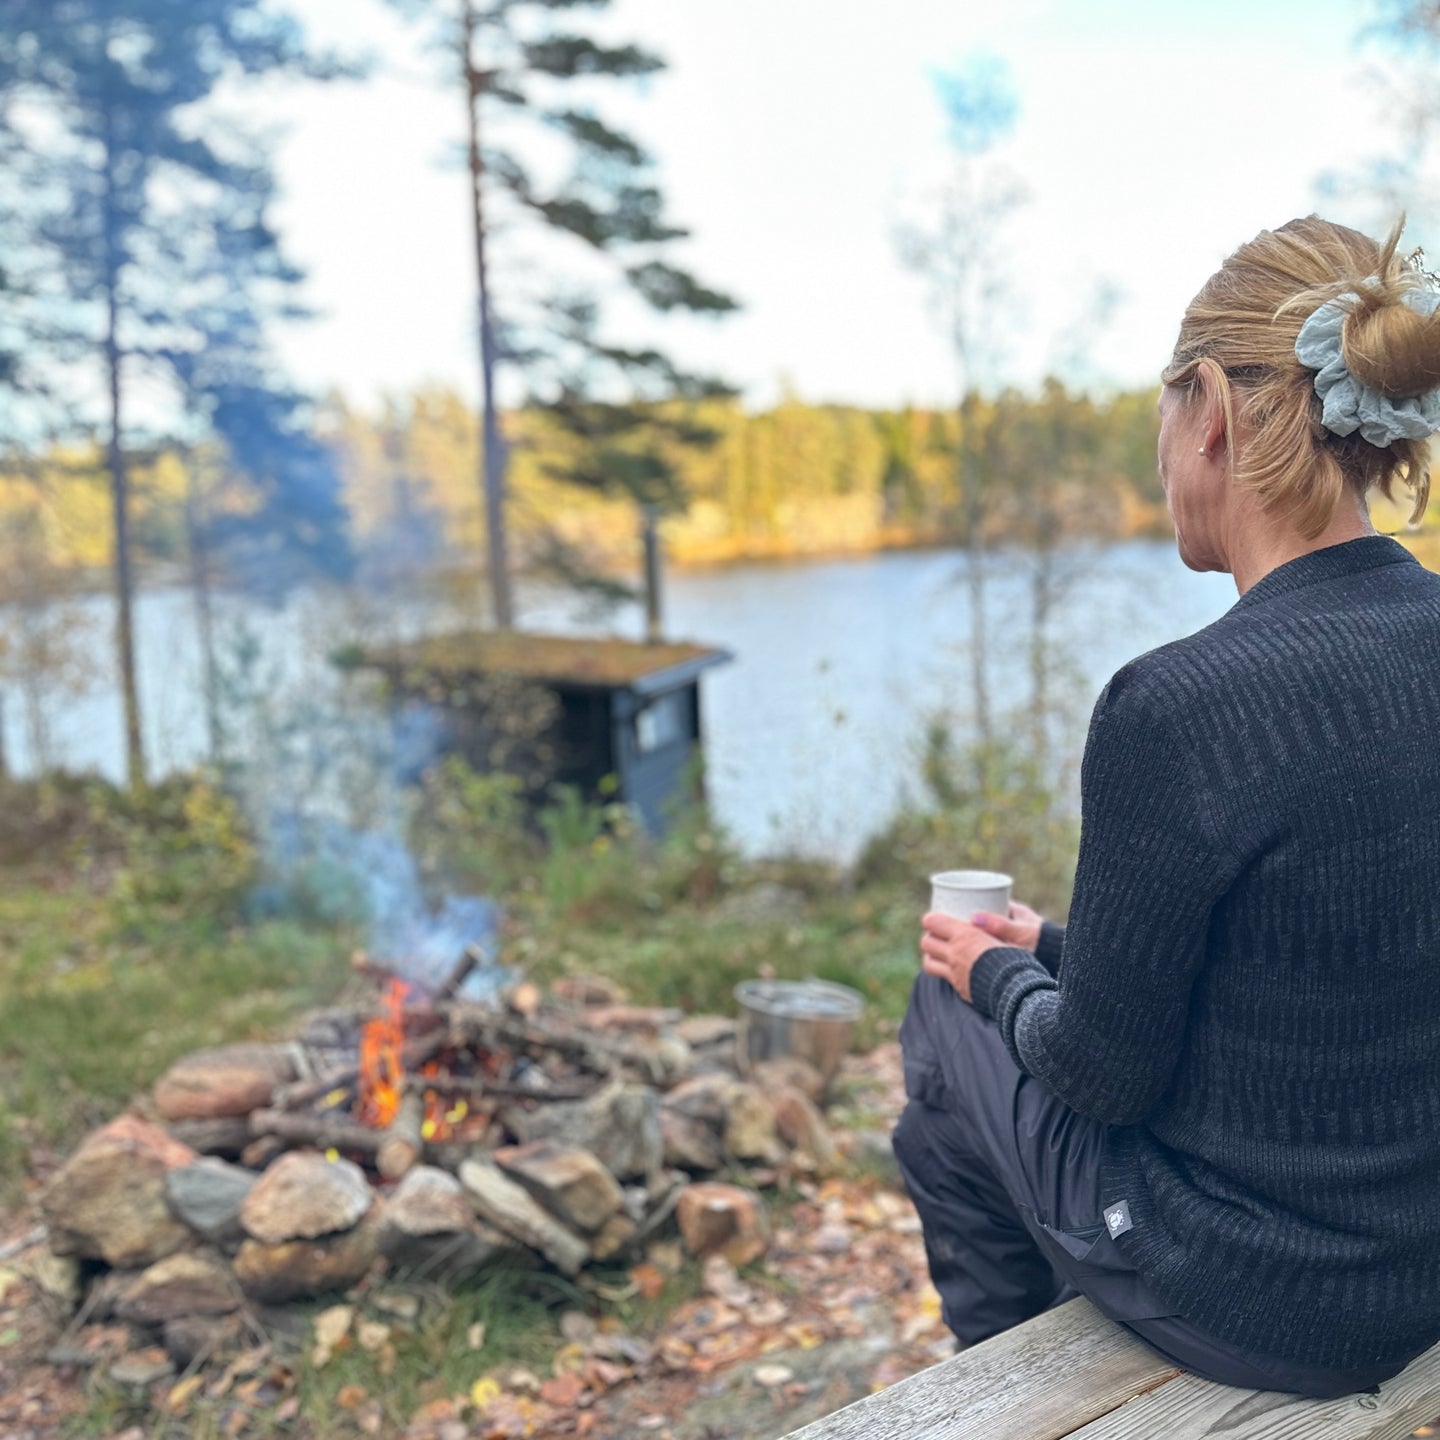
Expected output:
{"points": [[949, 947], [1023, 929]]}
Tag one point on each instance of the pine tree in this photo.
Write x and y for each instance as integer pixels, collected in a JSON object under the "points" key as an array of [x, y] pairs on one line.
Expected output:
{"points": [[527, 69], [153, 209]]}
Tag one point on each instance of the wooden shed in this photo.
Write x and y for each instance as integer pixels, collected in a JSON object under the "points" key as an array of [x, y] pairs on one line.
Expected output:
{"points": [[624, 722]]}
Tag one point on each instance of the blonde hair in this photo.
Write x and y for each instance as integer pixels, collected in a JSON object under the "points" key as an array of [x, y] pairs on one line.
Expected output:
{"points": [[1241, 328]]}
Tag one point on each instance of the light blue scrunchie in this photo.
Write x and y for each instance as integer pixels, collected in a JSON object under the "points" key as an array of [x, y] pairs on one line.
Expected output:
{"points": [[1350, 406]]}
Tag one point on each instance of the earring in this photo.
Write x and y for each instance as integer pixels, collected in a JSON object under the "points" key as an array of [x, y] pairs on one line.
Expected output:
{"points": [[1202, 449]]}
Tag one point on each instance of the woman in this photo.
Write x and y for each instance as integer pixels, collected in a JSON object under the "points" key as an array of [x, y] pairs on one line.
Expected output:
{"points": [[1212, 1104]]}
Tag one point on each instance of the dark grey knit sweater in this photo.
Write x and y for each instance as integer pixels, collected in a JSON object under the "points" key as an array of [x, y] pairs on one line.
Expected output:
{"points": [[1249, 986]]}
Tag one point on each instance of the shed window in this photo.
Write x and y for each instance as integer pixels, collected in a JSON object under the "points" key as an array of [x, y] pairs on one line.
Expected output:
{"points": [[661, 722]]}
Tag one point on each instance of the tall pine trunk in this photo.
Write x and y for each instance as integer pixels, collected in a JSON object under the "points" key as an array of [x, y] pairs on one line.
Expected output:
{"points": [[492, 458], [120, 480], [199, 554], [972, 499]]}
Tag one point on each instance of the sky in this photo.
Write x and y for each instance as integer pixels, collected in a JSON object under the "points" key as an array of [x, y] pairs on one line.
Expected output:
{"points": [[795, 137]]}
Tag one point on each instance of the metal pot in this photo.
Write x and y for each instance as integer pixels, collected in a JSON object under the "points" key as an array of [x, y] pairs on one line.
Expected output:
{"points": [[810, 1019]]}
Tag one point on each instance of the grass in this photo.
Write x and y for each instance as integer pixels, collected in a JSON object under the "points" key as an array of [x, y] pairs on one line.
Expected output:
{"points": [[118, 958], [692, 957], [93, 1012]]}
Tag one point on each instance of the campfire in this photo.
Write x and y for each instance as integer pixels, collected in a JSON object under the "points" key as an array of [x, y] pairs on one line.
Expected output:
{"points": [[428, 1135]]}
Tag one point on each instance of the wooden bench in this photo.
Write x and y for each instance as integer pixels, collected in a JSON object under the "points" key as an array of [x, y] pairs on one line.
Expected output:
{"points": [[1070, 1372]]}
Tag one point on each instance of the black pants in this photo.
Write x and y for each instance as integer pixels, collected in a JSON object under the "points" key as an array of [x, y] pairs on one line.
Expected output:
{"points": [[1007, 1182]]}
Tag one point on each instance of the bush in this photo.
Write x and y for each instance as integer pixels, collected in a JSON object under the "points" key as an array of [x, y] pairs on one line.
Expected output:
{"points": [[988, 807], [582, 858], [181, 845], [472, 830]]}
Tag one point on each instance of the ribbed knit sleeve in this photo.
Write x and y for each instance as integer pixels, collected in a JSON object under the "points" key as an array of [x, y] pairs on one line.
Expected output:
{"points": [[1105, 1036], [1050, 946]]}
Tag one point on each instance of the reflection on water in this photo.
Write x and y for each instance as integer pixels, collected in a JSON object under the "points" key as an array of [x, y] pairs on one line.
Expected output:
{"points": [[811, 733]]}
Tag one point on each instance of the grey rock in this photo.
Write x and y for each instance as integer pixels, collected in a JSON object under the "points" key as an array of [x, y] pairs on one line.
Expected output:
{"points": [[430, 1230], [207, 1197], [566, 1179], [429, 1201], [185, 1284], [620, 1126], [107, 1201], [511, 1210], [689, 1143], [304, 1269], [303, 1196], [872, 1150], [142, 1369], [189, 1339]]}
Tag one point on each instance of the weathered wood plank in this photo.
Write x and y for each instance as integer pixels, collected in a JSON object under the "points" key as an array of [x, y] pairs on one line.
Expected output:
{"points": [[1191, 1409], [1040, 1381]]}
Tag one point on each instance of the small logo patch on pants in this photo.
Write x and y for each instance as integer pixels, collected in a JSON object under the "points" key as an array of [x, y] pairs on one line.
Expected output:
{"points": [[1117, 1218]]}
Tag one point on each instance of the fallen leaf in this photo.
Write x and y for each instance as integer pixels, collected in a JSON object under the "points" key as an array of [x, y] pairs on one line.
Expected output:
{"points": [[372, 1335], [432, 1413], [287, 1410], [182, 1393], [483, 1392], [650, 1278], [475, 1336], [605, 1374], [563, 1390], [351, 1397], [719, 1279], [669, 1255], [577, 1326], [772, 1375], [331, 1328], [769, 1311]]}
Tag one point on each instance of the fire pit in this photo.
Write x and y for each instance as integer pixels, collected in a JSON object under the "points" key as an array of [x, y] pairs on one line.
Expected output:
{"points": [[427, 1138]]}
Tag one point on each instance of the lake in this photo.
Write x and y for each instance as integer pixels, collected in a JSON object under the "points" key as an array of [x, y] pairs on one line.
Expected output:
{"points": [[812, 732]]}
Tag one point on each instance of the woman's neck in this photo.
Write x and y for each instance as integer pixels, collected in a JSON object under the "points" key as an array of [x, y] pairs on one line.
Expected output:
{"points": [[1260, 544]]}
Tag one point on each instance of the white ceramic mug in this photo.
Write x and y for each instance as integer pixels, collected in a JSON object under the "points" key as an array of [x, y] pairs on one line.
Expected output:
{"points": [[962, 893]]}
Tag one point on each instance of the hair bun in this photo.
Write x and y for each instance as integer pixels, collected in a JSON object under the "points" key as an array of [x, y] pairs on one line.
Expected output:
{"points": [[1390, 347]]}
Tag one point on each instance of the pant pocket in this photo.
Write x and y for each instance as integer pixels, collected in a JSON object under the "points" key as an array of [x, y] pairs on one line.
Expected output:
{"points": [[925, 1083], [1089, 1259]]}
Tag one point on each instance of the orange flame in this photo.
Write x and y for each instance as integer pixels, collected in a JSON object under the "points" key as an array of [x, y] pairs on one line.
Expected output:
{"points": [[382, 1060]]}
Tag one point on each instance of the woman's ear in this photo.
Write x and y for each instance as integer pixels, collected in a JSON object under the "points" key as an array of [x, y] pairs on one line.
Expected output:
{"points": [[1214, 390]]}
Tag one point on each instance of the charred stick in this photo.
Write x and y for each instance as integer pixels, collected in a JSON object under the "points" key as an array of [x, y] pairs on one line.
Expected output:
{"points": [[476, 1088], [460, 972], [322, 1130], [301, 1096]]}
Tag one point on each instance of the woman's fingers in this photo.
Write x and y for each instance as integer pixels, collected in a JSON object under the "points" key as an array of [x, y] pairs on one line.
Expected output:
{"points": [[941, 924], [932, 966], [933, 946]]}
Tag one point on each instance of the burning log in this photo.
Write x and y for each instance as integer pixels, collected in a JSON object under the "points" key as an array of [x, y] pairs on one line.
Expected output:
{"points": [[402, 1143]]}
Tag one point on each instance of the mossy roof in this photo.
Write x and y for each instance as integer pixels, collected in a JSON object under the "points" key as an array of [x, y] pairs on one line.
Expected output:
{"points": [[598, 662]]}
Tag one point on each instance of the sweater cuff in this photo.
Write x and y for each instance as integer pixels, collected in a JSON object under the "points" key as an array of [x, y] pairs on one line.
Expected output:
{"points": [[1049, 946], [993, 973]]}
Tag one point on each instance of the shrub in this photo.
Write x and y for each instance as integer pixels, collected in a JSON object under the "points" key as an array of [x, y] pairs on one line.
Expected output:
{"points": [[988, 806]]}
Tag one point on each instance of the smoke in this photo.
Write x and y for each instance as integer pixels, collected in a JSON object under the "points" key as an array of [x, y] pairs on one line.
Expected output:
{"points": [[325, 870]]}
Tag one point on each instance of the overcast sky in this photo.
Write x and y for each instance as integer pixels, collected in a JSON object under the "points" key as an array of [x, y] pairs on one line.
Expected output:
{"points": [[793, 136]]}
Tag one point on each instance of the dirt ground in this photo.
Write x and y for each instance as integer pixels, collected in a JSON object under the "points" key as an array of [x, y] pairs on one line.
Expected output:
{"points": [[839, 1307]]}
